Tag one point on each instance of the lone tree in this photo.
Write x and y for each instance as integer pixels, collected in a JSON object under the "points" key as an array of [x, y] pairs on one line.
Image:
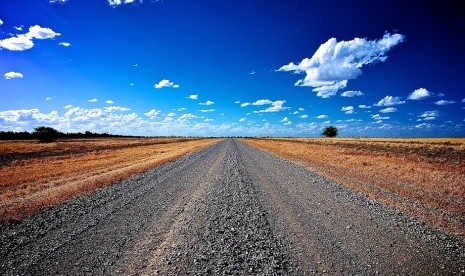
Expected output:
{"points": [[330, 131], [46, 134]]}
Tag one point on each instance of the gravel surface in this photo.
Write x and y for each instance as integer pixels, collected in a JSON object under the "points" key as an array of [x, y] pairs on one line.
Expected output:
{"points": [[228, 210]]}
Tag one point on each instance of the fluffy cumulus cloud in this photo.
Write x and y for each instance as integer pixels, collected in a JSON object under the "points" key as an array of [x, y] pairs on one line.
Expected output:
{"points": [[444, 102], [245, 104], [109, 102], [165, 83], [286, 121], [388, 110], [363, 106], [207, 103], [389, 101], [351, 93], [420, 94], [25, 41], [23, 116], [94, 100], [13, 75], [304, 116], [1, 22], [379, 117], [242, 120], [323, 116], [334, 63], [153, 113], [348, 109], [428, 115], [193, 97]]}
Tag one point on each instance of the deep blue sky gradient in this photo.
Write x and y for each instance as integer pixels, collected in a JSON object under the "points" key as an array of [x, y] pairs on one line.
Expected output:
{"points": [[209, 48]]}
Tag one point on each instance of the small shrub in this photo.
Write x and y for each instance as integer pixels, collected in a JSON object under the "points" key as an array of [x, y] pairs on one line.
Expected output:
{"points": [[46, 134], [330, 131]]}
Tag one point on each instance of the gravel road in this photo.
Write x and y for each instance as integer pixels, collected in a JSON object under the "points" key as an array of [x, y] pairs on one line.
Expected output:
{"points": [[228, 210]]}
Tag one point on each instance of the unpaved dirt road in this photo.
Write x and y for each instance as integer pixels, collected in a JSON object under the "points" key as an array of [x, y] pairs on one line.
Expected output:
{"points": [[229, 209]]}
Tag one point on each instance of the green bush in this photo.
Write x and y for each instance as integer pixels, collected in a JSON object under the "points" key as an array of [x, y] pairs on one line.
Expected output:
{"points": [[330, 131], [46, 134]]}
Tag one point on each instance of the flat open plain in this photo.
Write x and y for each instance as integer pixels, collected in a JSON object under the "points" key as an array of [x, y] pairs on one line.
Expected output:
{"points": [[228, 209]]}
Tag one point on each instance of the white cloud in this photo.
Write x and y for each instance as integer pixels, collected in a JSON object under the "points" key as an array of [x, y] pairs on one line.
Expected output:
{"points": [[48, 98], [252, 73], [348, 109], [23, 42], [389, 101], [193, 97], [171, 114], [304, 116], [428, 115], [276, 106], [27, 115], [324, 116], [18, 28], [378, 117], [420, 94], [109, 102], [120, 2], [351, 93], [152, 114], [207, 103], [165, 83], [64, 44], [185, 117], [207, 110], [245, 104], [181, 109], [1, 22], [423, 125], [295, 112], [94, 100], [209, 120], [362, 106], [242, 120], [58, 1], [116, 108], [334, 63], [444, 102], [237, 102], [286, 121], [388, 110], [68, 106], [301, 109], [463, 100], [13, 75]]}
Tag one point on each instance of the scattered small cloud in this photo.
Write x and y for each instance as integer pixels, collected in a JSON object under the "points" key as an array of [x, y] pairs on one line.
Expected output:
{"points": [[22, 42], [334, 63], [245, 104], [64, 44], [351, 93], [1, 22], [304, 116], [152, 114], [109, 102], [463, 100], [13, 75], [68, 106], [323, 116], [389, 101], [362, 106], [136, 65], [193, 97], [209, 120], [428, 115], [348, 109], [286, 121], [165, 83], [48, 98], [121, 2], [420, 94], [131, 84], [93, 100], [57, 1], [207, 103], [276, 106], [444, 102], [242, 120], [207, 110], [262, 102], [237, 102], [388, 110], [252, 73], [295, 112], [423, 125], [19, 28], [379, 117], [301, 109]]}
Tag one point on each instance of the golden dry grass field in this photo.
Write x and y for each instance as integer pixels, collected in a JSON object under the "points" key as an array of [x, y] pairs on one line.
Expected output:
{"points": [[422, 177], [35, 176]]}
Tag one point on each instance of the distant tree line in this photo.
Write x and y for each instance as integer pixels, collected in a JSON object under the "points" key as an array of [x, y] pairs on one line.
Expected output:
{"points": [[49, 134]]}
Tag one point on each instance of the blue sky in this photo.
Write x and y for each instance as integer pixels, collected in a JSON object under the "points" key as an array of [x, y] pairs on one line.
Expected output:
{"points": [[215, 68]]}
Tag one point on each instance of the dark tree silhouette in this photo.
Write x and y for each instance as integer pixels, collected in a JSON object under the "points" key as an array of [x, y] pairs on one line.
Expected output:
{"points": [[330, 131], [46, 134]]}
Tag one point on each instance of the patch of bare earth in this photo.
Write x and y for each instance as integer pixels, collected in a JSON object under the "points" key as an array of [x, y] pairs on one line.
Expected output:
{"points": [[35, 176], [424, 177]]}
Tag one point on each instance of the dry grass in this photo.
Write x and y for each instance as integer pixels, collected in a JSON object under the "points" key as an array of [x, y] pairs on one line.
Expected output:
{"points": [[35, 176], [424, 177]]}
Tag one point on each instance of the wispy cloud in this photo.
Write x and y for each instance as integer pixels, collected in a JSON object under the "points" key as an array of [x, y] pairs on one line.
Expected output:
{"points": [[207, 110], [428, 115], [23, 42], [94, 100], [276, 106], [444, 102], [207, 103], [389, 101], [165, 83], [363, 106], [334, 63], [57, 1], [351, 93], [252, 73], [304, 116], [324, 116], [109, 102], [64, 44], [245, 104], [379, 117], [420, 94], [13, 75], [121, 2], [193, 97], [388, 110]]}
